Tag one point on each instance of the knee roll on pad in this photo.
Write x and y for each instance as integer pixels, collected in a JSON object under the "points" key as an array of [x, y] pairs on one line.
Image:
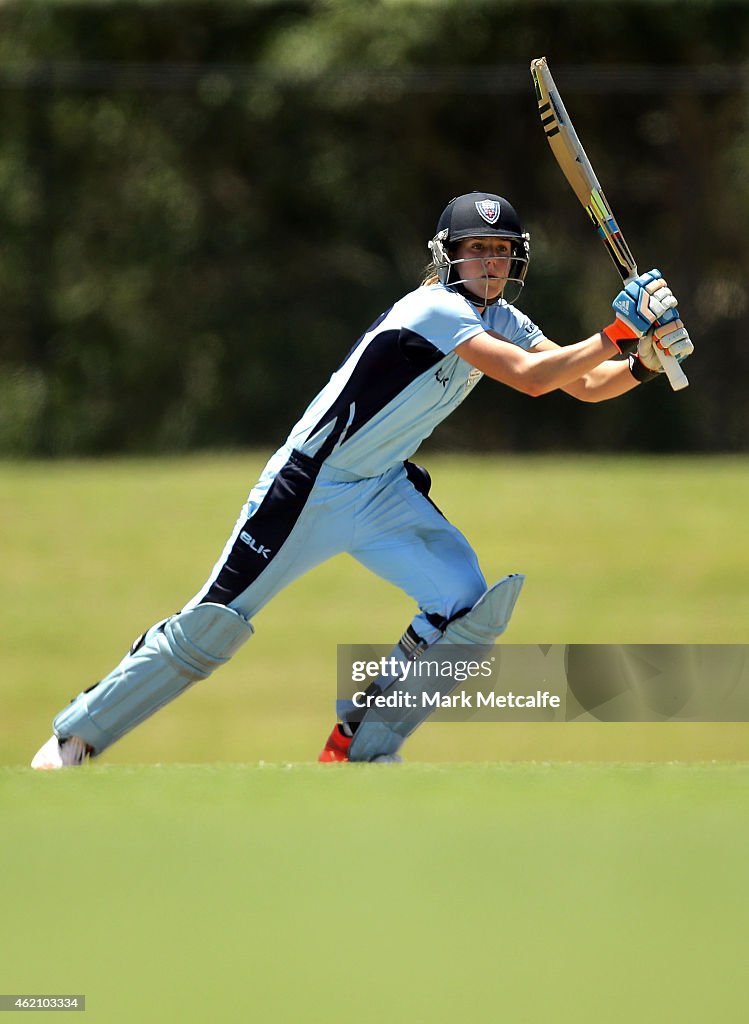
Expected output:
{"points": [[173, 655], [206, 636], [378, 734], [489, 617]]}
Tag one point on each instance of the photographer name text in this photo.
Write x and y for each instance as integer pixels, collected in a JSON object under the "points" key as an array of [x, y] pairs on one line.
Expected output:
{"points": [[491, 699]]}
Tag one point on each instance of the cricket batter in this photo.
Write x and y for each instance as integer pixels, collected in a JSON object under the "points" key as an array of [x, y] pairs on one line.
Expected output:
{"points": [[342, 480]]}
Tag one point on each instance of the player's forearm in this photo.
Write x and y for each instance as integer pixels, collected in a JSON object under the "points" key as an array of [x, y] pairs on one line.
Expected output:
{"points": [[549, 370], [545, 368], [608, 380]]}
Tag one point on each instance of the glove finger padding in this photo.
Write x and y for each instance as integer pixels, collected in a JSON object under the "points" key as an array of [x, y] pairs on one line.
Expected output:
{"points": [[660, 300], [674, 339]]}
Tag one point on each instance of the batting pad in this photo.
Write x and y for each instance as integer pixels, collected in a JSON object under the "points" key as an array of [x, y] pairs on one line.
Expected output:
{"points": [[173, 655], [478, 629]]}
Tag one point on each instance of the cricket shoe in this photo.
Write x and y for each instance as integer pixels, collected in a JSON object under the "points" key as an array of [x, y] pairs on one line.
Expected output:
{"points": [[56, 753], [336, 746]]}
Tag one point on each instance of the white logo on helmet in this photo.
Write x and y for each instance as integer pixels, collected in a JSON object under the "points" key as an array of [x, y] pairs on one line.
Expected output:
{"points": [[489, 210]]}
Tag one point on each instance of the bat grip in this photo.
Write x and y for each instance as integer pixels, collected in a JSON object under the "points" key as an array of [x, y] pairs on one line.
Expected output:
{"points": [[676, 376]]}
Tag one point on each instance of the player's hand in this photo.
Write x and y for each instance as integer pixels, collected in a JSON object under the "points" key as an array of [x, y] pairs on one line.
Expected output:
{"points": [[644, 301], [671, 338], [638, 307]]}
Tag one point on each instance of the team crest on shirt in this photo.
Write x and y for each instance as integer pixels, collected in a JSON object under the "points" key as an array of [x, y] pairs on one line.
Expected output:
{"points": [[489, 210]]}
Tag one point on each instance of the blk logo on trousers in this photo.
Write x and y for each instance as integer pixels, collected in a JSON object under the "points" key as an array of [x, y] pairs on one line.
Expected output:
{"points": [[259, 549]]}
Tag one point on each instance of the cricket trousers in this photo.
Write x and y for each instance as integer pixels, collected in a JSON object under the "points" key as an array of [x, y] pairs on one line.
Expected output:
{"points": [[299, 515]]}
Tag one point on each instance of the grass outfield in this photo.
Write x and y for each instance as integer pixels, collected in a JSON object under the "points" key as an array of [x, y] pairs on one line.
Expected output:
{"points": [[504, 890], [521, 893], [616, 550]]}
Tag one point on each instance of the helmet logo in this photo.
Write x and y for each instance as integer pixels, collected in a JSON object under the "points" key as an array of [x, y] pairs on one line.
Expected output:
{"points": [[489, 210]]}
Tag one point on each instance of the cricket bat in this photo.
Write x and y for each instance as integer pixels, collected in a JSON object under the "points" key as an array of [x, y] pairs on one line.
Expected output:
{"points": [[578, 171]]}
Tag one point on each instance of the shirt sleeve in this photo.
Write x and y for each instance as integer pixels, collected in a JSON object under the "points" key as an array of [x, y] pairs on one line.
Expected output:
{"points": [[442, 317], [515, 326]]}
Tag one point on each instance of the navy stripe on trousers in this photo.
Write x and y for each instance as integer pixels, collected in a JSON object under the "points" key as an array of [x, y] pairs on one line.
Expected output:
{"points": [[266, 531]]}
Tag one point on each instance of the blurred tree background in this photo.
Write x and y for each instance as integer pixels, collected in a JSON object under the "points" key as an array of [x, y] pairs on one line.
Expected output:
{"points": [[202, 206]]}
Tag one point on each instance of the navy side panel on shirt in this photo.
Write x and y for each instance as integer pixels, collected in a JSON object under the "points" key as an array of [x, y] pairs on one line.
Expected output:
{"points": [[400, 380], [392, 361]]}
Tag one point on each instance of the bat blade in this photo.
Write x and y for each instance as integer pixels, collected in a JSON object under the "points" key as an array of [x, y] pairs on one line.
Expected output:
{"points": [[580, 175]]}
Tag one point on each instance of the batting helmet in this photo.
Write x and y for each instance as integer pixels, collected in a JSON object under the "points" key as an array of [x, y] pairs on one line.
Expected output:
{"points": [[479, 215]]}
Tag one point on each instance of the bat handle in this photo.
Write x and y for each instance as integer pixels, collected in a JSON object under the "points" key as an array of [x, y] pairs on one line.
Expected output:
{"points": [[676, 376]]}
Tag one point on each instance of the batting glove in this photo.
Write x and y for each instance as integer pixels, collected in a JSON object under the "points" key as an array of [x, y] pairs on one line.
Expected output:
{"points": [[638, 307], [671, 338]]}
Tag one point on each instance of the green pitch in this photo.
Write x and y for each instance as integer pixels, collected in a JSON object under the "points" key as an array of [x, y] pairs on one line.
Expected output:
{"points": [[615, 550], [523, 893]]}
